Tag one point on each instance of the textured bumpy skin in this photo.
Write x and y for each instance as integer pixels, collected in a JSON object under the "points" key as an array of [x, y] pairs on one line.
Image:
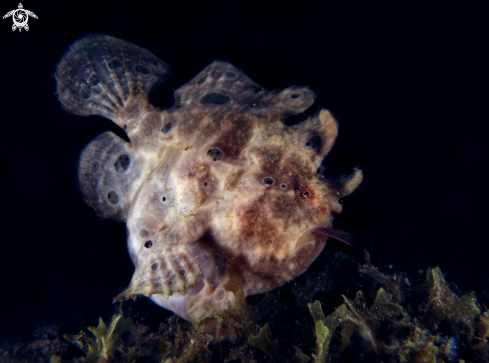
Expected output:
{"points": [[213, 184]]}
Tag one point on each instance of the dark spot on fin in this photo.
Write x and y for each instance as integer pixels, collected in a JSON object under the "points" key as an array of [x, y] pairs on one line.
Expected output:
{"points": [[314, 142], [94, 80], [122, 163], [142, 69], [115, 64], [85, 92], [166, 128], [202, 80], [113, 197], [215, 98]]}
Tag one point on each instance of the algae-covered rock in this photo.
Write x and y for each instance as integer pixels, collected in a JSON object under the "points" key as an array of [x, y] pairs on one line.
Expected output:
{"points": [[354, 318], [444, 304], [386, 320]]}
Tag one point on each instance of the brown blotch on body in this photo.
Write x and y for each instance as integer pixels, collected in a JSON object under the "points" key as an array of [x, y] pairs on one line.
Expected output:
{"points": [[257, 219], [283, 207], [233, 141]]}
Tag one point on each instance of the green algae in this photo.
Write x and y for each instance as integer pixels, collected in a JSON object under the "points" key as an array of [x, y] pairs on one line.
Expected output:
{"points": [[262, 341], [354, 317], [101, 348]]}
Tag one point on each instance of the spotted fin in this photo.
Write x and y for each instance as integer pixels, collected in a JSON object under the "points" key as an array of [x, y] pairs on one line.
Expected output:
{"points": [[106, 76], [222, 83], [317, 135], [109, 173], [217, 84], [162, 270]]}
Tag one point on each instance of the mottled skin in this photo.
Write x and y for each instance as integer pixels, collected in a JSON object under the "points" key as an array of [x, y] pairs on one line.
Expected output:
{"points": [[214, 181]]}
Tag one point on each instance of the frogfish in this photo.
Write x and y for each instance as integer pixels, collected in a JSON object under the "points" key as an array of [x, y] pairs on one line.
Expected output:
{"points": [[215, 183]]}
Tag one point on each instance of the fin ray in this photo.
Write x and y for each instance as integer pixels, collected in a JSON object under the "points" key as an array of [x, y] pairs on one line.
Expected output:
{"points": [[170, 270]]}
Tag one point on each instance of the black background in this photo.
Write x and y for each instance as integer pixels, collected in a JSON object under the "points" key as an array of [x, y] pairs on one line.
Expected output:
{"points": [[408, 85]]}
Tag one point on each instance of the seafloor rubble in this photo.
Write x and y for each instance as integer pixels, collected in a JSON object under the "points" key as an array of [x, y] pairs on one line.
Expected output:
{"points": [[337, 311]]}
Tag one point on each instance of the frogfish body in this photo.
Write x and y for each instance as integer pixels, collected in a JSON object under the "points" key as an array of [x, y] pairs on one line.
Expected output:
{"points": [[214, 183]]}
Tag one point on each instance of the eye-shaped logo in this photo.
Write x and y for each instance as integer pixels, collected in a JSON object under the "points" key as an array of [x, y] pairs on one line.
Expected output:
{"points": [[20, 17]]}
